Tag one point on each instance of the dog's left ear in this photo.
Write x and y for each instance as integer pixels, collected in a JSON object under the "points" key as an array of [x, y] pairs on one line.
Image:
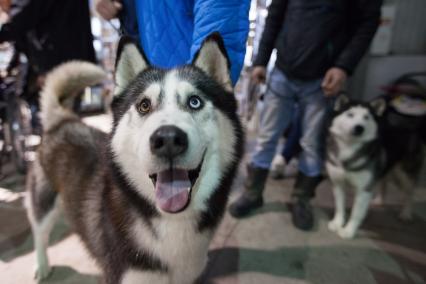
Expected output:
{"points": [[341, 101], [130, 61], [379, 106], [213, 59]]}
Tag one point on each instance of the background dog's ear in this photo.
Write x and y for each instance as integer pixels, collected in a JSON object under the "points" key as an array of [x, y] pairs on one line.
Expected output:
{"points": [[341, 101], [213, 59], [379, 106], [129, 63]]}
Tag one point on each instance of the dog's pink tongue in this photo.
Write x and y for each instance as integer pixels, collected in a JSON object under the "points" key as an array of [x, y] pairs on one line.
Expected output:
{"points": [[172, 190]]}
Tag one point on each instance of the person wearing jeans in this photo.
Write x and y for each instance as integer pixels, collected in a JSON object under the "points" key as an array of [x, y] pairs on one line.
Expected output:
{"points": [[318, 44]]}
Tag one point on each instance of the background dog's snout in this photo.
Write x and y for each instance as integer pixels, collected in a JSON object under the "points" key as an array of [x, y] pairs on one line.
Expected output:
{"points": [[358, 130], [168, 141]]}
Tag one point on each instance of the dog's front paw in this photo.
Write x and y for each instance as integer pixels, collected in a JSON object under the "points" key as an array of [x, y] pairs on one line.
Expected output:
{"points": [[346, 233], [42, 272], [335, 225]]}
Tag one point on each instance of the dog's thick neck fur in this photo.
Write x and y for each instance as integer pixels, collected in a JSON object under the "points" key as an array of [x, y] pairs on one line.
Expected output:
{"points": [[352, 157]]}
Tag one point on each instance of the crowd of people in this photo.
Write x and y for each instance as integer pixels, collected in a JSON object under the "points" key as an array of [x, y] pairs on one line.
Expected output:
{"points": [[319, 44]]}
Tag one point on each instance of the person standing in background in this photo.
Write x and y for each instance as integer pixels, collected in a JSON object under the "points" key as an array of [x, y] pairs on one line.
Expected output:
{"points": [[48, 32], [171, 31], [53, 31], [319, 43]]}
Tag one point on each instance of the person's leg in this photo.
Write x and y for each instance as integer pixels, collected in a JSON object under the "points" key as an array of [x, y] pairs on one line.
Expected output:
{"points": [[314, 108], [275, 117], [290, 149], [292, 143]]}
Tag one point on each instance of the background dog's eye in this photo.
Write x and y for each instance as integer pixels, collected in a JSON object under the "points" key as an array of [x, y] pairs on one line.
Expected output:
{"points": [[144, 106], [195, 102], [350, 114], [366, 117]]}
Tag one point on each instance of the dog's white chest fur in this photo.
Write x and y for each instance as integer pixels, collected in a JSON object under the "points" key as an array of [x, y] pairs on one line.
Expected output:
{"points": [[177, 243], [336, 173]]}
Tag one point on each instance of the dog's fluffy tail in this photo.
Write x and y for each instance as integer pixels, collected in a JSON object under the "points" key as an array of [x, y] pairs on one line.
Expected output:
{"points": [[63, 84]]}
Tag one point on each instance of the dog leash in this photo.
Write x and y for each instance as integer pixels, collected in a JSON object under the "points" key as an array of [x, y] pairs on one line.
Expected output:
{"points": [[118, 30]]}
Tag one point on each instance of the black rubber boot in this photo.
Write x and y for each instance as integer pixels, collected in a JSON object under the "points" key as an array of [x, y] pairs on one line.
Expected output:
{"points": [[301, 210], [251, 198]]}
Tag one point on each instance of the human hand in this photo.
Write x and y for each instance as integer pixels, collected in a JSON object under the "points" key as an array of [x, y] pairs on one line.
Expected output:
{"points": [[333, 81], [258, 74], [5, 5], [40, 81], [108, 9]]}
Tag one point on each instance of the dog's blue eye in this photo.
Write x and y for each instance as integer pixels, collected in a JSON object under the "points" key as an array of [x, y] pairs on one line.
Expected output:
{"points": [[195, 102]]}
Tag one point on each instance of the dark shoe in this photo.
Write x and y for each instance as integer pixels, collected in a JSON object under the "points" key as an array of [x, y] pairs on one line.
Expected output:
{"points": [[304, 187], [301, 210], [251, 198], [244, 205], [302, 216]]}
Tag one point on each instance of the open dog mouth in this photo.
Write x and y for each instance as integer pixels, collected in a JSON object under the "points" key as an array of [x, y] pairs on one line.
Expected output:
{"points": [[173, 187]]}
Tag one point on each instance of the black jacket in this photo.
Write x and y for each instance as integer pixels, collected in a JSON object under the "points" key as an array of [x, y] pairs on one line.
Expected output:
{"points": [[313, 35], [50, 32]]}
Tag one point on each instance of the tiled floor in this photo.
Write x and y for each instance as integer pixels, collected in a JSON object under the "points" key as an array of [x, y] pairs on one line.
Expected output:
{"points": [[263, 248]]}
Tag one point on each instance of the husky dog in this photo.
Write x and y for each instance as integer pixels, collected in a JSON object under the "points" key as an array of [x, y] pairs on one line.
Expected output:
{"points": [[364, 151], [146, 199]]}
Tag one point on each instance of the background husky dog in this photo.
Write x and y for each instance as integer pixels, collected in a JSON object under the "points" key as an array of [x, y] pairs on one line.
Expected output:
{"points": [[146, 200], [362, 149]]}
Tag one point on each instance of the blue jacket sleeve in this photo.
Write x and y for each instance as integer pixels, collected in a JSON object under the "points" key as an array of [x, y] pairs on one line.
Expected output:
{"points": [[230, 19]]}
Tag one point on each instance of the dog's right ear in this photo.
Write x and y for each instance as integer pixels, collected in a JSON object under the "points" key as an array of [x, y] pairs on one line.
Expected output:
{"points": [[213, 59], [130, 61], [379, 106], [341, 101]]}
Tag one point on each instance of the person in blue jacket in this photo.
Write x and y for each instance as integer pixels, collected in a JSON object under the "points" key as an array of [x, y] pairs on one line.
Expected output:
{"points": [[171, 32]]}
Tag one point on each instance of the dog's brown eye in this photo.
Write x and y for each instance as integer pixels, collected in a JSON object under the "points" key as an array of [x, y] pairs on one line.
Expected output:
{"points": [[144, 106]]}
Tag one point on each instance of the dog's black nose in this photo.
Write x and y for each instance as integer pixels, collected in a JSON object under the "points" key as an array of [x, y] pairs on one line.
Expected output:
{"points": [[168, 142], [358, 130]]}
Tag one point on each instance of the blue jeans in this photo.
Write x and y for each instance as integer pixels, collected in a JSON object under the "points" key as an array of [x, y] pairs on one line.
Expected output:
{"points": [[279, 101], [291, 146]]}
